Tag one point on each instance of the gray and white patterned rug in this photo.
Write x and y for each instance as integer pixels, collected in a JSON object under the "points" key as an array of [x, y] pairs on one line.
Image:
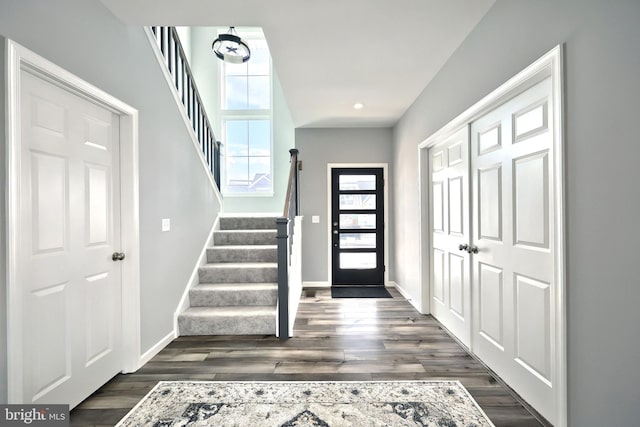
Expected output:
{"points": [[327, 404]]}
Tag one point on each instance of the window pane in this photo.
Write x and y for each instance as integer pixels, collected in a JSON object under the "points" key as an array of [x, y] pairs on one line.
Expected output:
{"points": [[259, 62], [235, 92], [260, 138], [259, 97], [237, 138], [237, 174], [359, 261], [357, 240], [357, 201], [358, 221], [260, 174], [236, 69], [357, 182]]}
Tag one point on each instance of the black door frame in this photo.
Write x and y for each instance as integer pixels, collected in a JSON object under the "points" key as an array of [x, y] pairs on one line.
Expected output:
{"points": [[332, 238]]}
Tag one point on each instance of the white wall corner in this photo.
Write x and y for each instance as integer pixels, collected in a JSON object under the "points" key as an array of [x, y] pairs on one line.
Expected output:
{"points": [[415, 302], [157, 348]]}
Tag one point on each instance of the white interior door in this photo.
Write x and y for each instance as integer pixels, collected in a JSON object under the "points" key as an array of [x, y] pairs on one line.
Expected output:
{"points": [[69, 228], [450, 272], [513, 270]]}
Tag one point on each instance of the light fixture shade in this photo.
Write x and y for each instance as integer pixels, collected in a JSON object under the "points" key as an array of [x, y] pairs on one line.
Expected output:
{"points": [[231, 48]]}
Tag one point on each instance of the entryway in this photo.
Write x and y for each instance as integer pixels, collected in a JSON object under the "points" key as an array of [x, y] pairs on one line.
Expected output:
{"points": [[357, 204], [492, 209]]}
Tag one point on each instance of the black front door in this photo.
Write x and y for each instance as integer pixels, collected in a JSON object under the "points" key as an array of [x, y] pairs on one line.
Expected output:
{"points": [[357, 226]]}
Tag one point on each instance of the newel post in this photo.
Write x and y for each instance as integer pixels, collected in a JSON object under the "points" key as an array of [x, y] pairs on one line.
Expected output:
{"points": [[283, 277], [294, 158]]}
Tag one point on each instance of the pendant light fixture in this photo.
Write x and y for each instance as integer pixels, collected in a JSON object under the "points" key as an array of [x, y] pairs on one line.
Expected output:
{"points": [[231, 48]]}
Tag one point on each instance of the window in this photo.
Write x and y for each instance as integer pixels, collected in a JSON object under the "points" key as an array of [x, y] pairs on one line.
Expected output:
{"points": [[245, 104]]}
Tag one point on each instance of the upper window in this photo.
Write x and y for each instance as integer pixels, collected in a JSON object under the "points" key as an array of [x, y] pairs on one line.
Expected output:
{"points": [[245, 103], [247, 86]]}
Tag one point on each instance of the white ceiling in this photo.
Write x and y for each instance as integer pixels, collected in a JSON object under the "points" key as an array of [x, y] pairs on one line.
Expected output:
{"points": [[331, 54]]}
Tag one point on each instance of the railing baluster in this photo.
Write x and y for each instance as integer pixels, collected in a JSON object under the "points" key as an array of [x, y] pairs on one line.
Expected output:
{"points": [[161, 41], [184, 81], [176, 62]]}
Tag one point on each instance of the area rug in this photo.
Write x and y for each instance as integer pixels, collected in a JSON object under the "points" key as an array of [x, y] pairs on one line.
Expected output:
{"points": [[359, 292], [325, 404]]}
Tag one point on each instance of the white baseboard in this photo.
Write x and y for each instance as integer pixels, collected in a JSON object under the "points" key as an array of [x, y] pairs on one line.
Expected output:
{"points": [[316, 284], [149, 354], [407, 296]]}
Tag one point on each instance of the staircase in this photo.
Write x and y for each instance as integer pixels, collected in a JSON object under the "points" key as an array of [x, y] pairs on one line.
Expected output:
{"points": [[237, 290]]}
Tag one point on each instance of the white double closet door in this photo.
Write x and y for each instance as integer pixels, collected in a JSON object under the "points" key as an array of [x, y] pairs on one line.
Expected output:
{"points": [[71, 288], [492, 252]]}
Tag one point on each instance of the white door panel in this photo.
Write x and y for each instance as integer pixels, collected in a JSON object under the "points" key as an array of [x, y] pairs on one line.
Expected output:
{"points": [[511, 154], [70, 227], [450, 281]]}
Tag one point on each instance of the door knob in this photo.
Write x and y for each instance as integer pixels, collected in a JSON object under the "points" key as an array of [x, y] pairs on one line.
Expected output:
{"points": [[462, 247], [117, 256], [472, 249]]}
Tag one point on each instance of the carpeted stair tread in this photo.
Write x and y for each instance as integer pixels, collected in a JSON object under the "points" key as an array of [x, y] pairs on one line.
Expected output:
{"points": [[242, 253], [238, 311], [234, 294], [244, 237], [229, 265], [217, 286], [248, 222], [233, 272], [228, 320]]}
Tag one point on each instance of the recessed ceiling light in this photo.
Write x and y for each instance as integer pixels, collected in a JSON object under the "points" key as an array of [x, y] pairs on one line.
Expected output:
{"points": [[358, 106]]}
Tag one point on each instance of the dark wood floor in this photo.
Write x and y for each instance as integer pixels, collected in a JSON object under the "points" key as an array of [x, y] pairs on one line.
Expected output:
{"points": [[340, 339]]}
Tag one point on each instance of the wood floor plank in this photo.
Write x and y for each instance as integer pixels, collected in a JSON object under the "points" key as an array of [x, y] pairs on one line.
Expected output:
{"points": [[334, 340]]}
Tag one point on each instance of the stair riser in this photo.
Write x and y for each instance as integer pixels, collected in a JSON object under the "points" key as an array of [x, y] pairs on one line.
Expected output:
{"points": [[259, 325], [221, 238], [240, 297], [238, 275], [241, 255], [263, 223]]}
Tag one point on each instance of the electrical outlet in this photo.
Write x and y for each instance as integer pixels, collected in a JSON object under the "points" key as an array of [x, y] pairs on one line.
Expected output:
{"points": [[315, 219], [166, 224]]}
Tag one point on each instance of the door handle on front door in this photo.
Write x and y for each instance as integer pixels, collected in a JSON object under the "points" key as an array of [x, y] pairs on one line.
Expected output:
{"points": [[117, 256], [462, 247]]}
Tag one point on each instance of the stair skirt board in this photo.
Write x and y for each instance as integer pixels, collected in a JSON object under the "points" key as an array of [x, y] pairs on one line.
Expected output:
{"points": [[237, 290]]}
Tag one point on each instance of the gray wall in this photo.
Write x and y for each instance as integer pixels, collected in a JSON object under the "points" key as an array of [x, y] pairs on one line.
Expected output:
{"points": [[3, 274], [86, 39], [602, 151], [205, 68], [318, 147]]}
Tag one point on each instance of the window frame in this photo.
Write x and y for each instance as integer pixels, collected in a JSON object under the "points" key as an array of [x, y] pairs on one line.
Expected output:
{"points": [[245, 114]]}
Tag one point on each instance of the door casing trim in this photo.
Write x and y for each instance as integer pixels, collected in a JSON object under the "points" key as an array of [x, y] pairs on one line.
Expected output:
{"points": [[385, 177], [549, 65], [19, 58]]}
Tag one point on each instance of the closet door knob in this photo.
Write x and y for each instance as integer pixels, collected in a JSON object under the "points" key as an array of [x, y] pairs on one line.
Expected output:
{"points": [[472, 249], [462, 247]]}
